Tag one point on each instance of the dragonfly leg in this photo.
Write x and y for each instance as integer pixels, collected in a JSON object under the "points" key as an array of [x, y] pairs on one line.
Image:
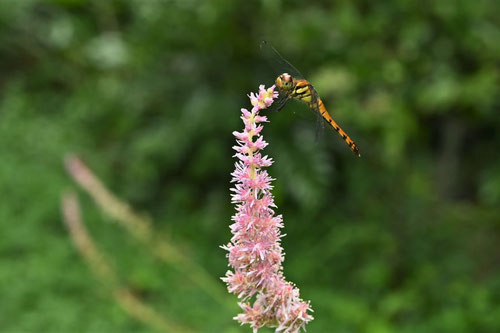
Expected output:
{"points": [[281, 104]]}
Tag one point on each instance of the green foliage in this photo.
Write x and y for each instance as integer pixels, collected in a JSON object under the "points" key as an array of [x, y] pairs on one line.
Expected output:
{"points": [[404, 239]]}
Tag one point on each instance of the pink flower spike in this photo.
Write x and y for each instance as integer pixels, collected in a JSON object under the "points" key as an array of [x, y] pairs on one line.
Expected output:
{"points": [[255, 251]]}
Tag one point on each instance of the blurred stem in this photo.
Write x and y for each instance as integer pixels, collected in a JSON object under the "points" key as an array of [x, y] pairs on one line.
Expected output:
{"points": [[105, 273], [140, 227]]}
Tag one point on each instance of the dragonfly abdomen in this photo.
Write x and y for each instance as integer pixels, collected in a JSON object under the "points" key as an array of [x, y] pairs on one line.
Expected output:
{"points": [[336, 127], [304, 91]]}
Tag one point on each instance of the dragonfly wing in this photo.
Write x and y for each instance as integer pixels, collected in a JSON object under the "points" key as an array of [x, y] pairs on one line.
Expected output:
{"points": [[320, 128], [279, 64], [320, 124]]}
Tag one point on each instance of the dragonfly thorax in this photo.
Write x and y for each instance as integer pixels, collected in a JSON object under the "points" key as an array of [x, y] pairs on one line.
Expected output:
{"points": [[284, 82]]}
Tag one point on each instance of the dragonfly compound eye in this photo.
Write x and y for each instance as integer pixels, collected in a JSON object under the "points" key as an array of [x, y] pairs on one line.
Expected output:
{"points": [[284, 81], [286, 77]]}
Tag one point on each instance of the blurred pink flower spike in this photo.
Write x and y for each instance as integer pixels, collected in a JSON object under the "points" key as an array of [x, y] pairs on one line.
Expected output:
{"points": [[255, 252]]}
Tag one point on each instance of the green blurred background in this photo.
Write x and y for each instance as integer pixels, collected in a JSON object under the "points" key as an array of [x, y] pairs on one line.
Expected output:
{"points": [[148, 92]]}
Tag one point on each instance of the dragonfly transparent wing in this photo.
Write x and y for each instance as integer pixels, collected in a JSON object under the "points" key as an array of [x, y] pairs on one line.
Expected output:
{"points": [[320, 123], [279, 64], [320, 128]]}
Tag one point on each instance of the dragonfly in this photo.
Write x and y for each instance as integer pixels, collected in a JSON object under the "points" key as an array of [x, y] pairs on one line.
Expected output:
{"points": [[292, 85]]}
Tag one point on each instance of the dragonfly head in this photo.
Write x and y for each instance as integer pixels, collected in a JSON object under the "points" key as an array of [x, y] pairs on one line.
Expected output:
{"points": [[284, 82]]}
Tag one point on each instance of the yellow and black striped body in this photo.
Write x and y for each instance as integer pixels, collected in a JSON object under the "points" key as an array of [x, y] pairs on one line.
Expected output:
{"points": [[304, 91]]}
